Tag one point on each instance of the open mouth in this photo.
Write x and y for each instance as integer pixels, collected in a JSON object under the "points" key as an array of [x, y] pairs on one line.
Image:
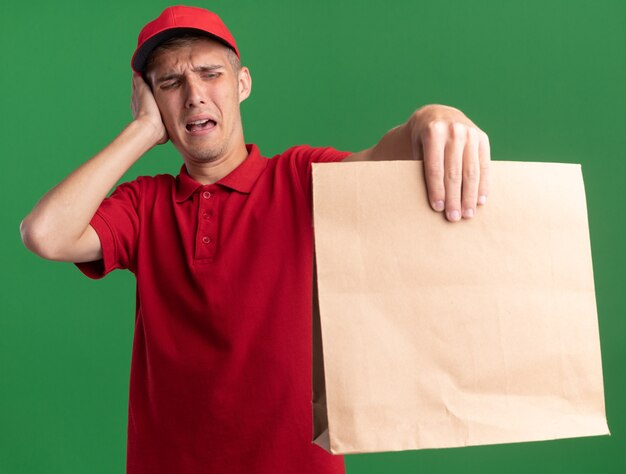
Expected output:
{"points": [[199, 125]]}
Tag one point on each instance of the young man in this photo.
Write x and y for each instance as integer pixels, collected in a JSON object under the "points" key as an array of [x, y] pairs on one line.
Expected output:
{"points": [[222, 253]]}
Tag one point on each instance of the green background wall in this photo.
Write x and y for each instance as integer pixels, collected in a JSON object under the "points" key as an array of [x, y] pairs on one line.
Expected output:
{"points": [[546, 80]]}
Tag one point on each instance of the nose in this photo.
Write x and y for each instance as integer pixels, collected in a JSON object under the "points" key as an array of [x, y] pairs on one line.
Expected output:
{"points": [[195, 95]]}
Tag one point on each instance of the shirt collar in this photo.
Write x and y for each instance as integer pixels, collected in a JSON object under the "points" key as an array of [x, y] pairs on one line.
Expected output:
{"points": [[240, 179]]}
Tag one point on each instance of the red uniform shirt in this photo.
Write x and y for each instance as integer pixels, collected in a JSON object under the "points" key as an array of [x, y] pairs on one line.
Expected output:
{"points": [[221, 364]]}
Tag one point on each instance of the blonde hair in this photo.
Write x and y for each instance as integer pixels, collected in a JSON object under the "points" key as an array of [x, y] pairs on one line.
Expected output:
{"points": [[186, 39]]}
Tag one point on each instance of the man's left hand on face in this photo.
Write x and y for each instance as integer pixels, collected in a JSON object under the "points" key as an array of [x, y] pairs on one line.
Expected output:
{"points": [[456, 157]]}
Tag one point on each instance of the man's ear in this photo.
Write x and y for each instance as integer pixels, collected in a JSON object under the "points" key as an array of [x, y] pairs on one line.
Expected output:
{"points": [[245, 84]]}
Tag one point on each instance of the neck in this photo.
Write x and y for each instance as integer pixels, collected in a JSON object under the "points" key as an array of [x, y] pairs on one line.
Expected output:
{"points": [[212, 171]]}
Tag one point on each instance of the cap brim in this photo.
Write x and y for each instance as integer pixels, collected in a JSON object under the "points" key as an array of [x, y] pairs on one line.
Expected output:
{"points": [[138, 62]]}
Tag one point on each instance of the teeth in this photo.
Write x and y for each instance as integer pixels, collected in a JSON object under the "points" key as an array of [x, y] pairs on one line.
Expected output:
{"points": [[201, 124]]}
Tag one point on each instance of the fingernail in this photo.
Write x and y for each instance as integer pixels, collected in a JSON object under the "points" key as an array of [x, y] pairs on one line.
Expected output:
{"points": [[438, 206], [467, 213], [482, 199], [454, 215]]}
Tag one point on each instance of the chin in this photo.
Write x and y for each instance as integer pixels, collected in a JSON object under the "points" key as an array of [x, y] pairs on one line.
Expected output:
{"points": [[204, 154]]}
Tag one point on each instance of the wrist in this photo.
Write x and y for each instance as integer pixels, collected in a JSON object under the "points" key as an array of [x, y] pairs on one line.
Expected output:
{"points": [[153, 133]]}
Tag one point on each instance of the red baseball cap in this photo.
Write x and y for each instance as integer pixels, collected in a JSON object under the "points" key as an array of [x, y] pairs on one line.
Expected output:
{"points": [[174, 21]]}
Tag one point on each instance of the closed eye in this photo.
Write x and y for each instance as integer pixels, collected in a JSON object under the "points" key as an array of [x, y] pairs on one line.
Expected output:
{"points": [[169, 85], [168, 81], [211, 75], [173, 80]]}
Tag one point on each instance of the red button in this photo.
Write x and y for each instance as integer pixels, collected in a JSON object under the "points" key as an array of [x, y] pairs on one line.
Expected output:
{"points": [[206, 239], [206, 195], [206, 215]]}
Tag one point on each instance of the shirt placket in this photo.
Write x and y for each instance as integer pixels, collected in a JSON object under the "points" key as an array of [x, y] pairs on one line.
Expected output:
{"points": [[206, 235]]}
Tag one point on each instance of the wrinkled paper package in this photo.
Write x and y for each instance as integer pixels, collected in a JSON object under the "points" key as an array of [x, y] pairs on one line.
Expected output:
{"points": [[432, 334]]}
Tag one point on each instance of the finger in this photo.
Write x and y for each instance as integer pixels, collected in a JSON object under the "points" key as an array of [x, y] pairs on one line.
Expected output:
{"points": [[139, 91], [433, 142], [133, 95], [135, 83], [484, 157], [453, 164], [471, 175]]}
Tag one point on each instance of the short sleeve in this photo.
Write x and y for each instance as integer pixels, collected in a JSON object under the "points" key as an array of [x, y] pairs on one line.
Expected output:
{"points": [[303, 156], [117, 224]]}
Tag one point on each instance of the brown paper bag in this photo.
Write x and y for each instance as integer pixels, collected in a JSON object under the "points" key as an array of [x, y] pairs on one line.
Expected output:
{"points": [[436, 334]]}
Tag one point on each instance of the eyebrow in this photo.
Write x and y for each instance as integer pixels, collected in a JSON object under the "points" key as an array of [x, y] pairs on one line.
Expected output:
{"points": [[174, 75]]}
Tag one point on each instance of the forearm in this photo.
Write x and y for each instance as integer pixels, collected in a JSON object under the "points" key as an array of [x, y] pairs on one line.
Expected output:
{"points": [[62, 216], [395, 145], [402, 142]]}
